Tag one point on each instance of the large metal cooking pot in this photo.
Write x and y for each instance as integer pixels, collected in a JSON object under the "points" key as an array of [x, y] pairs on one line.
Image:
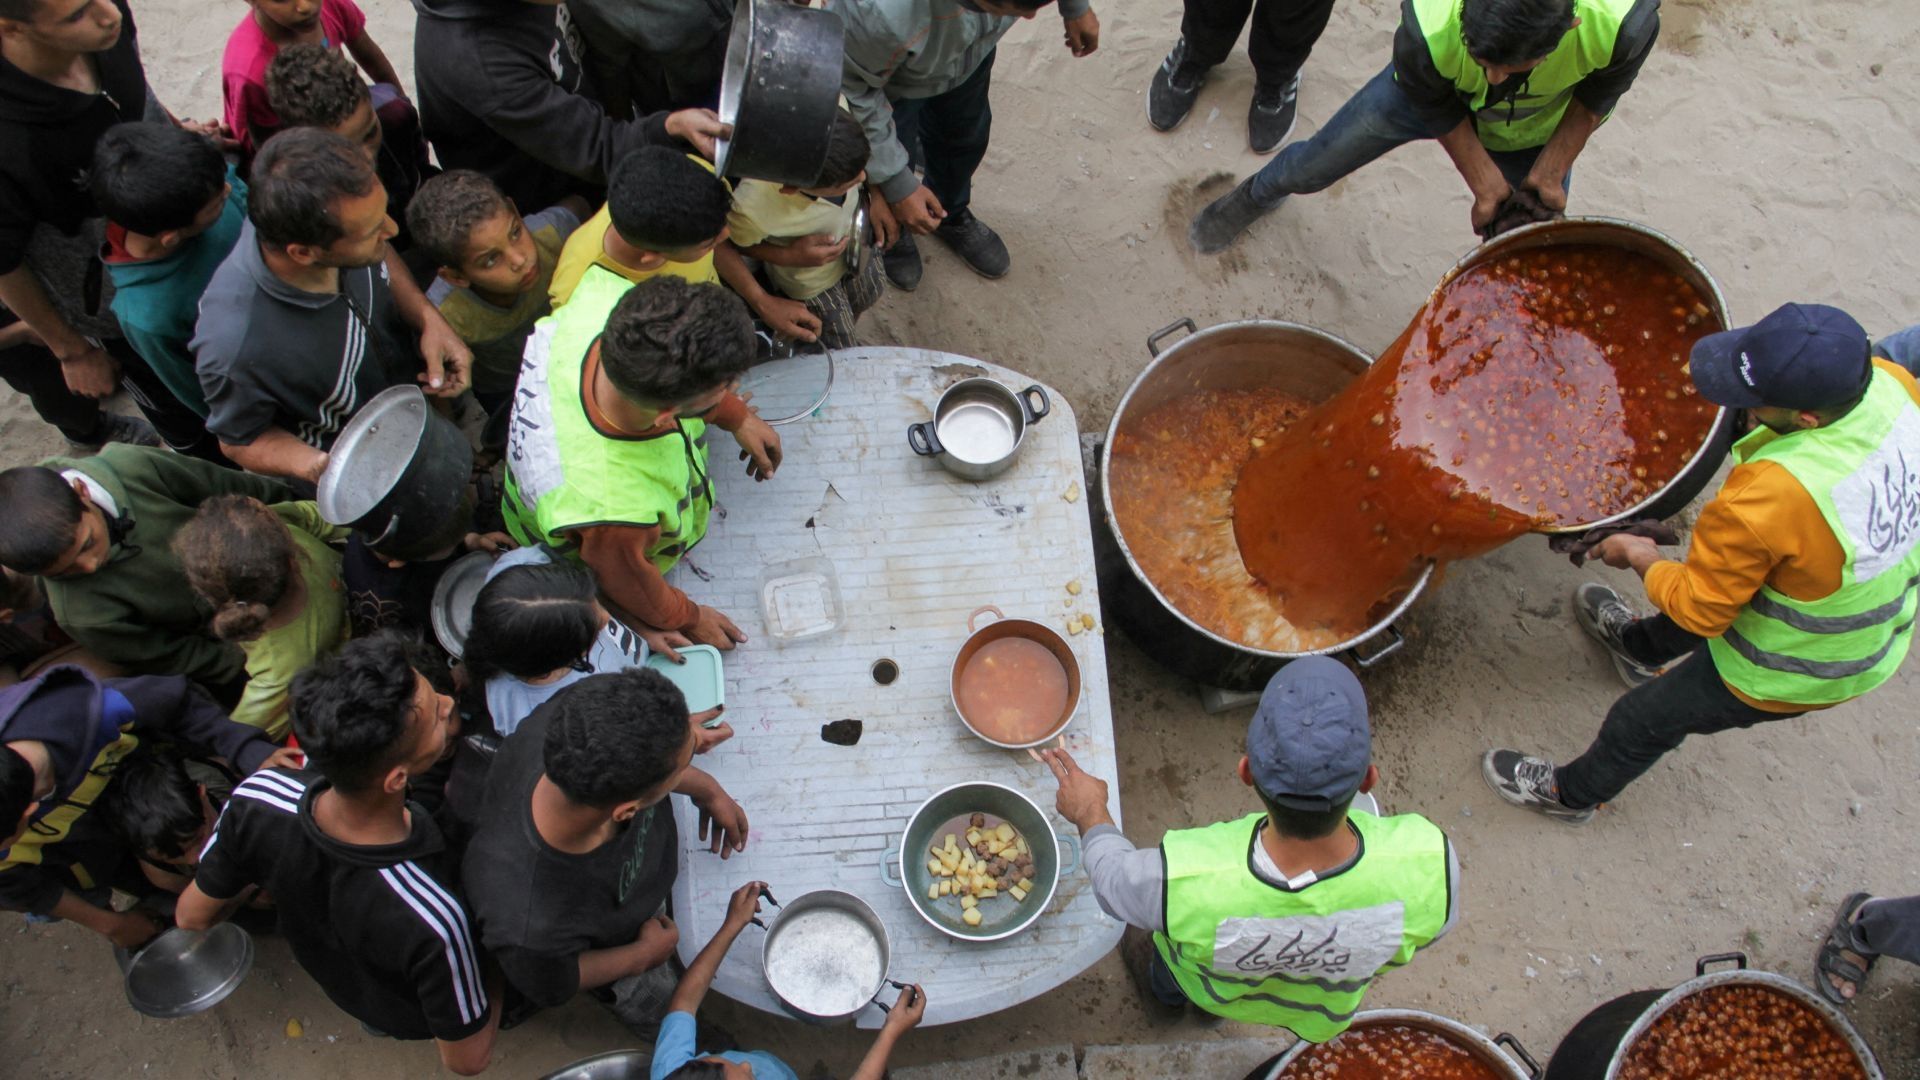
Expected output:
{"points": [[1256, 354], [398, 474], [1044, 636], [780, 89], [826, 956], [1492, 1053], [1597, 1047], [1673, 496], [183, 972], [1001, 916]]}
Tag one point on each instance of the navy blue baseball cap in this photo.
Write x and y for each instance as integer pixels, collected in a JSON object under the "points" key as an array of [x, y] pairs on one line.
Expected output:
{"points": [[1309, 744], [1803, 356]]}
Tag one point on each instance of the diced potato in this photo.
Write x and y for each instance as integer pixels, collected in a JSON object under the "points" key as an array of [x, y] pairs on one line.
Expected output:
{"points": [[953, 842], [1019, 894], [996, 847], [1020, 844], [987, 894], [937, 850], [968, 903], [1074, 586], [1073, 625], [933, 867], [1006, 832], [971, 916], [1025, 883], [973, 837], [933, 890]]}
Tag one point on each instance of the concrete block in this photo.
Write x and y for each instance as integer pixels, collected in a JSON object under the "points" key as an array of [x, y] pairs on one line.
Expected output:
{"points": [[1046, 1063], [1214, 1059]]}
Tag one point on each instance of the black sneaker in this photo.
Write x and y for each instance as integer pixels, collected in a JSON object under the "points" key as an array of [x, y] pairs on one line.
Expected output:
{"points": [[1175, 86], [1605, 617], [902, 261], [1270, 118], [974, 242], [117, 427], [1527, 782], [1216, 228]]}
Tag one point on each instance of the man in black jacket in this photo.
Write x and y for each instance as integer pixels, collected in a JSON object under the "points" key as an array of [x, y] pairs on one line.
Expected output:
{"points": [[503, 92], [62, 734], [69, 70]]}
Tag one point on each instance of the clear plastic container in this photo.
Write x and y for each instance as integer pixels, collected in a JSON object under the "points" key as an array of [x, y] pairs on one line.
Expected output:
{"points": [[800, 600]]}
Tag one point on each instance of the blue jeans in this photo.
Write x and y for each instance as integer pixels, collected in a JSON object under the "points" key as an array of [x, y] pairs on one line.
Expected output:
{"points": [[1375, 120], [946, 134]]}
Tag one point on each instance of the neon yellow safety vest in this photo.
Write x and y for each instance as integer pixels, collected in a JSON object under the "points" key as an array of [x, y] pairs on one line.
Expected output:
{"points": [[1863, 472], [563, 474], [1301, 960], [1528, 118]]}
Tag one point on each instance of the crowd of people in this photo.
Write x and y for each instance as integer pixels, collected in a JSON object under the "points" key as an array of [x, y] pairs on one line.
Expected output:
{"points": [[222, 706]]}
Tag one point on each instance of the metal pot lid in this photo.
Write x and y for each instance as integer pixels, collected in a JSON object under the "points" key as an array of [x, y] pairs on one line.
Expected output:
{"points": [[793, 384], [614, 1065], [860, 241], [183, 972], [372, 453], [453, 598]]}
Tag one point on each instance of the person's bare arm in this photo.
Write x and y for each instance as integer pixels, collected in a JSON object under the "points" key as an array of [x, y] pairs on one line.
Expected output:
{"points": [[1547, 178], [449, 361], [1476, 167], [789, 317], [699, 975], [907, 1012], [89, 371], [658, 938], [723, 824], [471, 1056], [818, 249], [198, 911], [127, 929], [366, 52], [276, 452]]}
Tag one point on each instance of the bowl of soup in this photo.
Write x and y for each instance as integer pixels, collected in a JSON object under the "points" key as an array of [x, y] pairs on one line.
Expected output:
{"points": [[1016, 684]]}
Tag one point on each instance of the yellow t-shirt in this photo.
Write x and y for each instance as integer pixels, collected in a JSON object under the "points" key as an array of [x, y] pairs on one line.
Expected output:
{"points": [[761, 214], [588, 247]]}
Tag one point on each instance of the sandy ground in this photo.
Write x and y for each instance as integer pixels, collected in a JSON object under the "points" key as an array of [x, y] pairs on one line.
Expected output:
{"points": [[1763, 134]]}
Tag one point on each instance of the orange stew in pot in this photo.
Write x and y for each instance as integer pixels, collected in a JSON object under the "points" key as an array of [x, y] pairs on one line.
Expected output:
{"points": [[1388, 1052], [1741, 1033]]}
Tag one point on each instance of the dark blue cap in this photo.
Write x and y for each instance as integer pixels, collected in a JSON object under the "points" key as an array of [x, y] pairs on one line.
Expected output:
{"points": [[1309, 744], [1803, 356]]}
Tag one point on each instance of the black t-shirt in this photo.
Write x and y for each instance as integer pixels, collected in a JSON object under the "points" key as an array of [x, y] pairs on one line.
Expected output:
{"points": [[540, 908], [382, 929]]}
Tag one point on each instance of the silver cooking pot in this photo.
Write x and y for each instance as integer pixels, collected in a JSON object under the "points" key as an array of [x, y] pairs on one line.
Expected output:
{"points": [[398, 474], [826, 956], [1502, 1054], [978, 427], [780, 89]]}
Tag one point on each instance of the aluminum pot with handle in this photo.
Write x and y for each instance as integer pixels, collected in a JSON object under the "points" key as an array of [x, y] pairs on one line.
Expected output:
{"points": [[1502, 1055], [780, 89], [826, 956], [1001, 916], [1044, 636], [978, 427], [399, 475]]}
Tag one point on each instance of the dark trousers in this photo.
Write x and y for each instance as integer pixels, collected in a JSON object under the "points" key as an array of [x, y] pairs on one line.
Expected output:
{"points": [[1283, 33], [946, 135], [180, 427], [1650, 720], [1165, 987], [33, 371], [1889, 927]]}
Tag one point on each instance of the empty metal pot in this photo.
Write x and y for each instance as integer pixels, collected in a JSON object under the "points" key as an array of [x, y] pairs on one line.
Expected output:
{"points": [[399, 475], [780, 89], [826, 956], [978, 427], [183, 972]]}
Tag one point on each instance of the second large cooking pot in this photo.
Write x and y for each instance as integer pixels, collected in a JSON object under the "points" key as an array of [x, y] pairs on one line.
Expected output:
{"points": [[1502, 1055], [398, 474]]}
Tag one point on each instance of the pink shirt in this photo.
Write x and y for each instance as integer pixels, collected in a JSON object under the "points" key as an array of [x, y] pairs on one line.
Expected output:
{"points": [[243, 68]]}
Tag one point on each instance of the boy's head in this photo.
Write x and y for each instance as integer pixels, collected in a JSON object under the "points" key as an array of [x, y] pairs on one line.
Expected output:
{"points": [[475, 233], [293, 16], [674, 348], [310, 85], [158, 808], [17, 796], [846, 164], [1511, 37], [369, 720], [51, 527], [72, 26], [667, 207], [711, 1068], [1309, 748], [315, 197], [618, 742], [159, 181]]}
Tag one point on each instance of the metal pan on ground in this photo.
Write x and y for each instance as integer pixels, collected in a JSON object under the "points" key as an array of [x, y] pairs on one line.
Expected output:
{"points": [[826, 956], [183, 972], [1001, 916], [779, 89], [1015, 683]]}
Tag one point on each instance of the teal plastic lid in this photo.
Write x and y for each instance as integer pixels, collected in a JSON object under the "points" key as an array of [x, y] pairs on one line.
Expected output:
{"points": [[702, 678]]}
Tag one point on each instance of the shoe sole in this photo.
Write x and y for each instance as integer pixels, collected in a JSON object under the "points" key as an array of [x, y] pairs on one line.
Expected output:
{"points": [[1493, 782], [1284, 136]]}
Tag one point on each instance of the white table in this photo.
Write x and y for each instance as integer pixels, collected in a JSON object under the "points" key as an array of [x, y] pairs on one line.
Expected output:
{"points": [[916, 550]]}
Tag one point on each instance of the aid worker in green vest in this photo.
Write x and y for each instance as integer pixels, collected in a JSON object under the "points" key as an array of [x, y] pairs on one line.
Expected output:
{"points": [[606, 452], [1284, 916], [1512, 89], [1800, 577]]}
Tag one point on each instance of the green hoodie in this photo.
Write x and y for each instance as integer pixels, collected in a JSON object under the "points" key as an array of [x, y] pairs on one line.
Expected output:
{"points": [[137, 610]]}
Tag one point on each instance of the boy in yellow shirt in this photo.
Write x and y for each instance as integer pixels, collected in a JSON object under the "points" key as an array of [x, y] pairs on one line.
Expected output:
{"points": [[802, 235], [665, 213]]}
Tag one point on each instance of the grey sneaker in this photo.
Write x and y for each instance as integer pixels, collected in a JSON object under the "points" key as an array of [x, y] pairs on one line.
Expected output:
{"points": [[1528, 782], [1605, 617]]}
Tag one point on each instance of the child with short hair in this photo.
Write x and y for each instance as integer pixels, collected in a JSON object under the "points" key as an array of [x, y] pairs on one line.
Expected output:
{"points": [[802, 235], [666, 212], [163, 806], [174, 209], [495, 269], [272, 25]]}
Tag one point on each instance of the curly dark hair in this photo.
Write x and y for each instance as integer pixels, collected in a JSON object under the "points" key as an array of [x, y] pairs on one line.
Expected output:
{"points": [[297, 177], [239, 557], [1514, 31], [530, 620], [611, 738], [42, 513], [662, 200], [351, 710], [445, 210], [313, 86], [847, 151], [668, 341], [153, 803]]}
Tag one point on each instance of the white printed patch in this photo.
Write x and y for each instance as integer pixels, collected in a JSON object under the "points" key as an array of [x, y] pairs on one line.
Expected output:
{"points": [[533, 449], [1346, 946], [1879, 504]]}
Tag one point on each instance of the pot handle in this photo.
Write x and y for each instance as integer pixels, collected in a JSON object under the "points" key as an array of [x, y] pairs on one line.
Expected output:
{"points": [[1154, 339], [1511, 1045], [1035, 412], [979, 611], [386, 534], [922, 439], [1737, 959], [1072, 844], [888, 863], [1364, 660]]}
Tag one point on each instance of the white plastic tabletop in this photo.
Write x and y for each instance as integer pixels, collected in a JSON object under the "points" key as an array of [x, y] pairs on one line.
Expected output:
{"points": [[916, 550]]}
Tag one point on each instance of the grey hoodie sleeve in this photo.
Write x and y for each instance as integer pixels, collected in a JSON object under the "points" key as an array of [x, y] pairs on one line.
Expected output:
{"points": [[864, 82], [1130, 883]]}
